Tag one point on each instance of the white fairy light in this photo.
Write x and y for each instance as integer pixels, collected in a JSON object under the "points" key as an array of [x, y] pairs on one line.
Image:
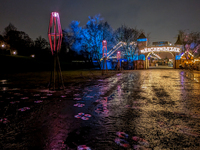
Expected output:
{"points": [[160, 49]]}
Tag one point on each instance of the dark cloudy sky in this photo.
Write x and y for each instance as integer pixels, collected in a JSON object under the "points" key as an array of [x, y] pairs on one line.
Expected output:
{"points": [[161, 18]]}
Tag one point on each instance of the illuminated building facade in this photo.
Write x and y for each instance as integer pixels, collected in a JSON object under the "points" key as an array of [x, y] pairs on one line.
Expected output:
{"points": [[157, 47]]}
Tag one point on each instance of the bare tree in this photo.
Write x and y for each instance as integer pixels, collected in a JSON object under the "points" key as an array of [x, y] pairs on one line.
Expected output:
{"points": [[41, 43], [18, 40], [128, 36], [191, 43]]}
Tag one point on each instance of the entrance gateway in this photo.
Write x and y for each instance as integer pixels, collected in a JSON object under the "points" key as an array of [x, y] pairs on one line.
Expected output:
{"points": [[150, 50], [146, 51]]}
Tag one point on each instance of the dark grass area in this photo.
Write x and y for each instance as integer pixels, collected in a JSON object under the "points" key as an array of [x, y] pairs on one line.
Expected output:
{"points": [[16, 64], [35, 79], [29, 72]]}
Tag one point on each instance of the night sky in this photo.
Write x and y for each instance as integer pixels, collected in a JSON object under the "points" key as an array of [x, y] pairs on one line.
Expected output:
{"points": [[161, 18]]}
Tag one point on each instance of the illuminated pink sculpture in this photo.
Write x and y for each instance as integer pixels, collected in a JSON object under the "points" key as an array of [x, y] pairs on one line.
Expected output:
{"points": [[55, 32], [118, 55], [104, 52], [118, 58], [55, 40], [104, 43]]}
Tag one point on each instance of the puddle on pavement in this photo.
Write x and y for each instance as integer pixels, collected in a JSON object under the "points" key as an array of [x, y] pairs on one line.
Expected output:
{"points": [[135, 111], [3, 82], [3, 88]]}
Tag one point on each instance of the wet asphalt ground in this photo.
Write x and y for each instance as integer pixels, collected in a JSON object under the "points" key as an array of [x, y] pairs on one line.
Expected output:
{"points": [[156, 109]]}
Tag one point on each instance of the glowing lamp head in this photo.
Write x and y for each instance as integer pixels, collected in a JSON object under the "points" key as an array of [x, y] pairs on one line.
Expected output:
{"points": [[55, 14], [55, 32], [2, 45], [118, 55], [104, 43]]}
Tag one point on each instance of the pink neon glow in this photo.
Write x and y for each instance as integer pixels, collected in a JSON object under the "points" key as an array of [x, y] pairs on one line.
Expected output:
{"points": [[55, 32], [118, 55], [104, 43], [55, 14]]}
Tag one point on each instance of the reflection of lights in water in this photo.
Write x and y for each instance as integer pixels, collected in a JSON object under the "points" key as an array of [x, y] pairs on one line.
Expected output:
{"points": [[196, 79], [182, 80], [4, 88], [102, 107], [3, 81], [119, 88], [119, 91], [83, 147]]}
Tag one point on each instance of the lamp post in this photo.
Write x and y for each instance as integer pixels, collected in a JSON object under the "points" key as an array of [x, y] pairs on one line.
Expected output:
{"points": [[104, 52], [55, 39]]}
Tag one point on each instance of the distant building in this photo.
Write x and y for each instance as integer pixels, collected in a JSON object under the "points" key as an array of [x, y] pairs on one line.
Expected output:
{"points": [[142, 41], [178, 43]]}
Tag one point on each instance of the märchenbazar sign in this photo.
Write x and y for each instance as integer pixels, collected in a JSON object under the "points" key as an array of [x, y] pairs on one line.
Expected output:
{"points": [[161, 49]]}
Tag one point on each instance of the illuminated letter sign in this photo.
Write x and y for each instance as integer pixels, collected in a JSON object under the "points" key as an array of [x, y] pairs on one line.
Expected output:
{"points": [[160, 49]]}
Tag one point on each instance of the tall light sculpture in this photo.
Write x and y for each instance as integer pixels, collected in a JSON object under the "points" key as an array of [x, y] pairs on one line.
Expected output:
{"points": [[118, 58], [55, 40], [104, 52]]}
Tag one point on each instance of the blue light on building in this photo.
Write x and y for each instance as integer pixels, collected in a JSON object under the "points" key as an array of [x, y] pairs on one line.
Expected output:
{"points": [[142, 40], [178, 57], [141, 57]]}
